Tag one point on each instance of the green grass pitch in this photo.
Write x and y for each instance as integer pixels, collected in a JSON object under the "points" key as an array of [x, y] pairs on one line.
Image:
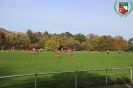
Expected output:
{"points": [[19, 63]]}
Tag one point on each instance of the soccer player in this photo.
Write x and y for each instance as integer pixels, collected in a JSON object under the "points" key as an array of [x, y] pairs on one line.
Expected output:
{"points": [[69, 51], [34, 50], [26, 51], [119, 51], [108, 52], [96, 51], [11, 50], [57, 53]]}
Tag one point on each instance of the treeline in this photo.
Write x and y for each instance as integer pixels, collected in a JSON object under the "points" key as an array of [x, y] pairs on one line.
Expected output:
{"points": [[50, 41]]}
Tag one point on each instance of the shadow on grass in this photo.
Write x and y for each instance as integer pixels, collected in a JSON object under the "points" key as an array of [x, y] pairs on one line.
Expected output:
{"points": [[85, 80], [14, 82], [3, 72], [67, 80]]}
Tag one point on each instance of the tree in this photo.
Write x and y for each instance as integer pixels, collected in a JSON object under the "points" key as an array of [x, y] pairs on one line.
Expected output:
{"points": [[102, 44], [130, 44], [80, 37], [71, 43], [2, 37], [67, 35], [119, 43], [31, 36], [9, 38], [47, 34], [38, 35], [93, 41], [84, 46], [42, 41], [109, 41], [52, 44], [23, 39]]}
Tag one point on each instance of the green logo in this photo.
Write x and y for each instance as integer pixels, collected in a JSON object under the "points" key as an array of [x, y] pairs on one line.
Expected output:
{"points": [[123, 8]]}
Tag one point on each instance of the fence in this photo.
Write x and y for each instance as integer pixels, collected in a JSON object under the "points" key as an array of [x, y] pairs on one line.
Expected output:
{"points": [[76, 74]]}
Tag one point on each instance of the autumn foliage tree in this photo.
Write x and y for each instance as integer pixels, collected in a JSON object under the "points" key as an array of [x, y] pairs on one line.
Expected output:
{"points": [[109, 42], [64, 40], [93, 41], [2, 36], [71, 43], [119, 43], [42, 41]]}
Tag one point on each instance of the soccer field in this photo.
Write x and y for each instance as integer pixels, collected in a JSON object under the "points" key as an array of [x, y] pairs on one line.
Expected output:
{"points": [[19, 63]]}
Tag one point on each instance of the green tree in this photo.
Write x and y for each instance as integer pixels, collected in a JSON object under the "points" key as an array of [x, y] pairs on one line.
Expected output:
{"points": [[52, 44], [2, 37], [31, 36], [130, 44], [71, 42], [46, 33], [42, 41], [102, 44], [67, 35], [80, 37], [38, 36]]}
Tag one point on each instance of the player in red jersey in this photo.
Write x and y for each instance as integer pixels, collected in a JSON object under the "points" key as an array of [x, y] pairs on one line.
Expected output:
{"points": [[69, 51], [11, 49], [26, 51], [96, 51], [34, 50], [57, 53]]}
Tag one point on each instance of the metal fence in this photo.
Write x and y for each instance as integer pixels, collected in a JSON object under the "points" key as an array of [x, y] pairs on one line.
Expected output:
{"points": [[76, 74]]}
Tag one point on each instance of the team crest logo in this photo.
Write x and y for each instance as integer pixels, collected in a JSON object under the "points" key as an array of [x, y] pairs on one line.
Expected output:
{"points": [[123, 8]]}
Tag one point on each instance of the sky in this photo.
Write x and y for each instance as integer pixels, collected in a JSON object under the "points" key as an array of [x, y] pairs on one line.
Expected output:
{"points": [[74, 16]]}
